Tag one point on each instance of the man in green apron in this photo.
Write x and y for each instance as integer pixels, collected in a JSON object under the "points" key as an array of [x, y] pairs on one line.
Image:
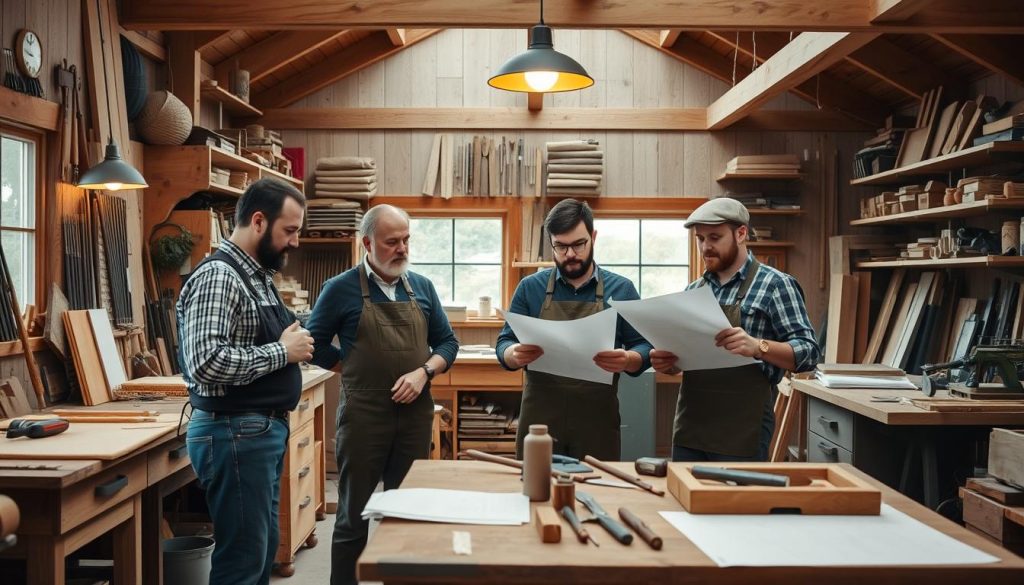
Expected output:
{"points": [[582, 416], [394, 336], [725, 414]]}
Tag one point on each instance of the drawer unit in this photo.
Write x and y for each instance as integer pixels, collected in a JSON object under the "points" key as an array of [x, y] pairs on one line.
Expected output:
{"points": [[167, 459], [305, 409], [821, 450], [830, 422], [481, 376], [101, 492]]}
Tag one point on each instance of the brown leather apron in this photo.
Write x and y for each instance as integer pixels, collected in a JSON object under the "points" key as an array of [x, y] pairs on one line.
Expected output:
{"points": [[720, 410], [377, 438], [582, 416]]}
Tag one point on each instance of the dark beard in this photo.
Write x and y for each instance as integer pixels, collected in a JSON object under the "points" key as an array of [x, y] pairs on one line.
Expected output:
{"points": [[577, 272], [268, 257], [726, 259]]}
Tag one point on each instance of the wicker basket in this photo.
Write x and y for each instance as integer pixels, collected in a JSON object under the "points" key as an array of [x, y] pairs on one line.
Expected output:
{"points": [[165, 120]]}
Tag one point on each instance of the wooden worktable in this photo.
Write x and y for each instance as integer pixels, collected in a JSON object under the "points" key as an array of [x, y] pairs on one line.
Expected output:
{"points": [[421, 552], [66, 504], [889, 413]]}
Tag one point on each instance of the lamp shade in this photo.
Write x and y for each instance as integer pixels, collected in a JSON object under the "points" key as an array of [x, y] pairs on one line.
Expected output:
{"points": [[541, 69], [113, 174]]}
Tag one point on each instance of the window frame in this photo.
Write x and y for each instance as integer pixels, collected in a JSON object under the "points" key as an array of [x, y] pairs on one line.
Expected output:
{"points": [[41, 260], [640, 249], [471, 310]]}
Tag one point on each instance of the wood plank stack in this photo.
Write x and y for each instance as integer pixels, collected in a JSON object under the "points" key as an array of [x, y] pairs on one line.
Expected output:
{"points": [[486, 426], [762, 165], [332, 217], [995, 511], [575, 168], [1009, 127], [295, 298], [944, 127], [346, 177]]}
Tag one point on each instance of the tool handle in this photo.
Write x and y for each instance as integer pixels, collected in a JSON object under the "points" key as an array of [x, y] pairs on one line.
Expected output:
{"points": [[617, 530], [481, 456], [575, 524], [645, 532], [741, 477], [623, 475]]}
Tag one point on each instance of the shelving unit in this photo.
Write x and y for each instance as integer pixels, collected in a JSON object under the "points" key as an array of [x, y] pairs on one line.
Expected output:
{"points": [[968, 262], [957, 211], [974, 156], [770, 244], [232, 104], [758, 176], [347, 240]]}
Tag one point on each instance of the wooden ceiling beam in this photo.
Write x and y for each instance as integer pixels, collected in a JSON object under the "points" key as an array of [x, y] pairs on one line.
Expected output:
{"points": [[359, 55], [825, 90], [206, 38], [274, 52], [806, 56], [783, 15], [146, 45], [896, 10], [397, 36], [512, 118], [669, 37], [899, 67], [998, 54]]}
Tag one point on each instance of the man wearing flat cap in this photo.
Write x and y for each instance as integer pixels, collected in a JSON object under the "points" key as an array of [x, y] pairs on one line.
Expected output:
{"points": [[725, 414]]}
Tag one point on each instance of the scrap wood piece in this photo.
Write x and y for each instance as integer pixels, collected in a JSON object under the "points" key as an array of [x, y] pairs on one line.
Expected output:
{"points": [[967, 405], [884, 315]]}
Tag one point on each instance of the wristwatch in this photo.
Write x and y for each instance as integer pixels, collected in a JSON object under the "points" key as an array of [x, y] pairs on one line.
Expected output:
{"points": [[762, 346], [429, 370]]}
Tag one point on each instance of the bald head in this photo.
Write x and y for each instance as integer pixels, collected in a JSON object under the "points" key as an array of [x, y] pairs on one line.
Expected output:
{"points": [[385, 230]]}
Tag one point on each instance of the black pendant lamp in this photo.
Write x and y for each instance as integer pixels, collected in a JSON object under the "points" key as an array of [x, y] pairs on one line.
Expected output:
{"points": [[541, 69], [113, 174]]}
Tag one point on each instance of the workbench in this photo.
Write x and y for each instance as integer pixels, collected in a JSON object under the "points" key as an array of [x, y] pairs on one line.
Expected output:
{"points": [[404, 552], [887, 439], [65, 504]]}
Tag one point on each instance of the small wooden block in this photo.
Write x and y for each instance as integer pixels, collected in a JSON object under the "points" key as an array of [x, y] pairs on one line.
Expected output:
{"points": [[996, 490], [549, 526]]}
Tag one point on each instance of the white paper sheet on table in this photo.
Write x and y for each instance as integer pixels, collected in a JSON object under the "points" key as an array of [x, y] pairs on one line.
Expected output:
{"points": [[684, 323], [767, 540], [450, 506], [569, 346], [870, 382]]}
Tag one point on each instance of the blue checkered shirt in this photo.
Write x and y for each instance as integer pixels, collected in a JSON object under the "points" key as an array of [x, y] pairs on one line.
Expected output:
{"points": [[773, 309]]}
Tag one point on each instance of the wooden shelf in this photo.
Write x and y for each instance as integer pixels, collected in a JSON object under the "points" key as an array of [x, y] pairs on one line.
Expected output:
{"points": [[770, 244], [346, 240], [757, 211], [233, 104], [474, 323], [758, 176], [969, 262], [533, 264], [947, 212], [225, 189], [968, 157]]}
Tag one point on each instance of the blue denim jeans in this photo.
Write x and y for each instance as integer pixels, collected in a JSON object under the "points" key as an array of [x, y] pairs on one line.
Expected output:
{"points": [[238, 461], [680, 453]]}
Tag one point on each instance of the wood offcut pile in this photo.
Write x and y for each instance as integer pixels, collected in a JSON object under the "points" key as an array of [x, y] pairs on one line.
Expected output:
{"points": [[332, 217], [346, 177], [762, 165]]}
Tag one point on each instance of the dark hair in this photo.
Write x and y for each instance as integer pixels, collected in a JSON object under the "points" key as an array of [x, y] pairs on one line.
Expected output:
{"points": [[266, 195], [566, 215]]}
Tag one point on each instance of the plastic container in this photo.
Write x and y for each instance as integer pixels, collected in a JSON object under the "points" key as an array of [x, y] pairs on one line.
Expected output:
{"points": [[537, 448], [187, 560]]}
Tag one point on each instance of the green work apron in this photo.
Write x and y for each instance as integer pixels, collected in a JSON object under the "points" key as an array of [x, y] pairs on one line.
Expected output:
{"points": [[582, 416], [377, 437], [720, 410]]}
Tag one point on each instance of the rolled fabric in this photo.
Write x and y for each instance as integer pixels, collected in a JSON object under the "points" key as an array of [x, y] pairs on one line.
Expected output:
{"points": [[347, 173], [346, 180], [343, 188], [580, 176], [572, 145], [576, 161], [573, 183], [597, 154], [560, 168]]}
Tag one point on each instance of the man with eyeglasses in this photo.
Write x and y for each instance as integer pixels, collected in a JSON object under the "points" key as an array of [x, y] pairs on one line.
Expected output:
{"points": [[582, 416], [725, 414]]}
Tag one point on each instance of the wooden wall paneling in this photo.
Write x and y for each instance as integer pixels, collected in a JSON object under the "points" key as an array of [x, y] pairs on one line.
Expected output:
{"points": [[619, 71], [503, 45], [568, 41], [345, 93], [671, 154], [449, 92], [476, 68], [839, 344], [401, 89], [184, 62], [594, 57], [723, 148], [448, 51], [646, 84]]}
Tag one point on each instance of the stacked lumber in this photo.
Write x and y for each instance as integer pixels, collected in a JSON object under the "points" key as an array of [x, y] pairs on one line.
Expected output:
{"points": [[880, 152], [944, 126], [295, 298], [152, 386], [783, 165], [1009, 127], [346, 177], [486, 426], [332, 217], [995, 511], [575, 168]]}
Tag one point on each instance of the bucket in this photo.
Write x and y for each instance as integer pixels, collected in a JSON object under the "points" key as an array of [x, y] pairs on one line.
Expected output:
{"points": [[187, 560]]}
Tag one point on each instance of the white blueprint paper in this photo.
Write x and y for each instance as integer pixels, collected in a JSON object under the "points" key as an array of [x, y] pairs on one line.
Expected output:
{"points": [[569, 346], [450, 506], [793, 540], [684, 323]]}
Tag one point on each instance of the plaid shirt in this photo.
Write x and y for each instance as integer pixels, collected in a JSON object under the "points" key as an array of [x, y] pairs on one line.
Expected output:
{"points": [[773, 309], [218, 320]]}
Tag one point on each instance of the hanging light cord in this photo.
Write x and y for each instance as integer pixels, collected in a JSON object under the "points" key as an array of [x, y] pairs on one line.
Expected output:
{"points": [[542, 11], [735, 56], [103, 42]]}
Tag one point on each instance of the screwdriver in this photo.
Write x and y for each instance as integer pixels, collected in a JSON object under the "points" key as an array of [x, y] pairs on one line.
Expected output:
{"points": [[581, 533]]}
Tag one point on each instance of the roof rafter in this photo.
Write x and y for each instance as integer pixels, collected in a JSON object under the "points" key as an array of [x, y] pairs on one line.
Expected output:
{"points": [[274, 52], [995, 53]]}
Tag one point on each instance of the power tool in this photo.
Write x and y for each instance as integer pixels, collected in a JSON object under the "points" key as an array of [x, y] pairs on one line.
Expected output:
{"points": [[36, 429]]}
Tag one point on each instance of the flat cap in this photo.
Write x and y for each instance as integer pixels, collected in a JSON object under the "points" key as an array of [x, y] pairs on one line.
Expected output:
{"points": [[718, 211]]}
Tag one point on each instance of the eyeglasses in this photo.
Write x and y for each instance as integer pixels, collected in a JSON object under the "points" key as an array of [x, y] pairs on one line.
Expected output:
{"points": [[577, 247]]}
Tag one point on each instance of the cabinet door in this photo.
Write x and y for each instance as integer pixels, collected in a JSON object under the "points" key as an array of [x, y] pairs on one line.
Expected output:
{"points": [[774, 258]]}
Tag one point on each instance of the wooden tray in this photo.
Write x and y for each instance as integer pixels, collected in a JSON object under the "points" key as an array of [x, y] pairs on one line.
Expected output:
{"points": [[815, 488]]}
